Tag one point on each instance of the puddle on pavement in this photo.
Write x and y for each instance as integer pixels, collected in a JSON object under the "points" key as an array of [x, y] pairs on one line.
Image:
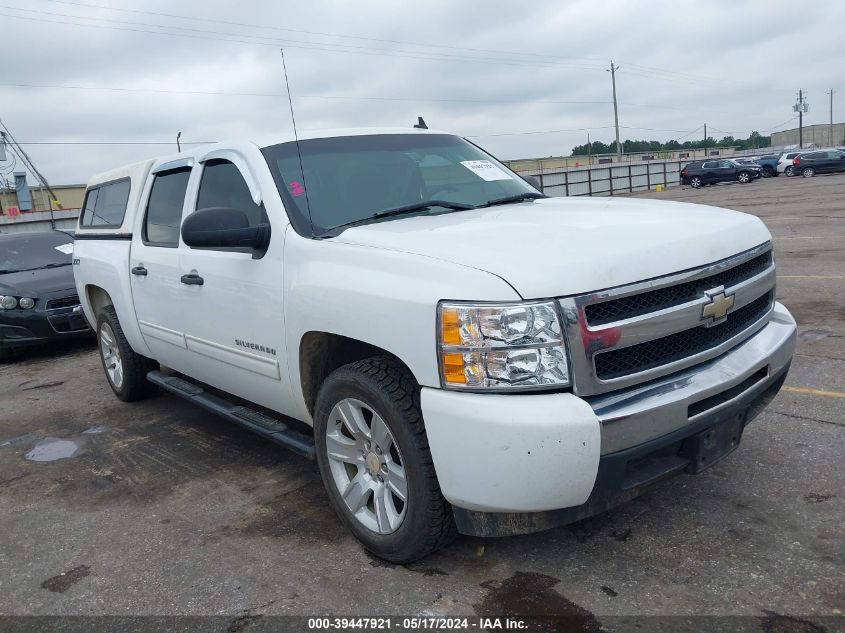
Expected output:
{"points": [[52, 448]]}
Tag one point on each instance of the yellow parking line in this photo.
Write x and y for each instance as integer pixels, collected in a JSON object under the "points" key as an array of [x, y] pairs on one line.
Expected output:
{"points": [[811, 276], [815, 392]]}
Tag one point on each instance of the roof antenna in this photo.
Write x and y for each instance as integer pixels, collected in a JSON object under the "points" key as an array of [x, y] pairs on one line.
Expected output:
{"points": [[296, 138], [420, 125], [178, 146]]}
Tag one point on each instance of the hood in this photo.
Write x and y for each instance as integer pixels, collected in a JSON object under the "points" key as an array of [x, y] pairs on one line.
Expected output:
{"points": [[563, 246], [37, 283]]}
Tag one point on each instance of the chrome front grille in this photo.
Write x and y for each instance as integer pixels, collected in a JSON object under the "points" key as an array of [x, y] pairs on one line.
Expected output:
{"points": [[631, 334], [615, 363], [645, 302]]}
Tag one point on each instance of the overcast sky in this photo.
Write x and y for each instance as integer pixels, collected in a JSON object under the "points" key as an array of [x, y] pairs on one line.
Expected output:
{"points": [[492, 70]]}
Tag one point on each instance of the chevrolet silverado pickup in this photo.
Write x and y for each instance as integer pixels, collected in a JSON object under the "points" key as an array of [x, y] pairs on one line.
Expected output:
{"points": [[458, 352]]}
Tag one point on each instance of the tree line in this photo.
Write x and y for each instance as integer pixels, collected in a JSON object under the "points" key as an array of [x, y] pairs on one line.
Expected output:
{"points": [[754, 140]]}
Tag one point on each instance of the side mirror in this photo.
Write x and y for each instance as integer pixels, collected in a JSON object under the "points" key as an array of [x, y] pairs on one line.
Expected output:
{"points": [[534, 182], [224, 227]]}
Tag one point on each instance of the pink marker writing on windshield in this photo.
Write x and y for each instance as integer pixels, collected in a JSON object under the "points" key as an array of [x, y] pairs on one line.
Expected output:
{"points": [[296, 189]]}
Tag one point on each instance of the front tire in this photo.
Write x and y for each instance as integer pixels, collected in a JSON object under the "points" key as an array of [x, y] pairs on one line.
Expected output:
{"points": [[374, 459], [744, 177], [126, 370], [808, 172], [768, 172], [696, 182]]}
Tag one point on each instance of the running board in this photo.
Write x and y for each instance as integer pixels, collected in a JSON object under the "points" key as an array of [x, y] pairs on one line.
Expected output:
{"points": [[265, 425]]}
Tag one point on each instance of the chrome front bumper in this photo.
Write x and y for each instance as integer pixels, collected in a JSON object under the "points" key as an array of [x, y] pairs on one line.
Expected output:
{"points": [[634, 416]]}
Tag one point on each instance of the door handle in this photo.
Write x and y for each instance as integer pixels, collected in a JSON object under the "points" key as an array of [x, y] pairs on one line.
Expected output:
{"points": [[192, 279], [139, 270]]}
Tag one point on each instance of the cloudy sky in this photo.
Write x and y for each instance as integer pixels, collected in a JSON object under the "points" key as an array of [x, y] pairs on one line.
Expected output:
{"points": [[522, 79]]}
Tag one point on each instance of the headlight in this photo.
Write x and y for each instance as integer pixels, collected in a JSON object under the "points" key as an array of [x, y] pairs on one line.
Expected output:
{"points": [[26, 303], [503, 346], [8, 302]]}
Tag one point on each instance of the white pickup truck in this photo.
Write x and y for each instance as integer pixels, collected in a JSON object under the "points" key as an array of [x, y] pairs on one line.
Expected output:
{"points": [[457, 351]]}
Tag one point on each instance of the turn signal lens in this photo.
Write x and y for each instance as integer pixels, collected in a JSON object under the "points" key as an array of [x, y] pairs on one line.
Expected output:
{"points": [[453, 369], [450, 327]]}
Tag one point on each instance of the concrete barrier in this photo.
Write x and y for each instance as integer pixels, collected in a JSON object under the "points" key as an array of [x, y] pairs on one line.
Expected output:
{"points": [[39, 221]]}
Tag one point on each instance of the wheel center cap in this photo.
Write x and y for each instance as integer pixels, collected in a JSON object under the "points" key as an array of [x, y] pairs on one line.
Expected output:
{"points": [[373, 463]]}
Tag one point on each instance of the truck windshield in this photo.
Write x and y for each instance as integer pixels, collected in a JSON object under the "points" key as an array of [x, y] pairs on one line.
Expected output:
{"points": [[351, 178]]}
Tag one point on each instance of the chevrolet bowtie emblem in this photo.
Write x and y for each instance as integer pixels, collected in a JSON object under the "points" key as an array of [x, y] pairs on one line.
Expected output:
{"points": [[715, 311]]}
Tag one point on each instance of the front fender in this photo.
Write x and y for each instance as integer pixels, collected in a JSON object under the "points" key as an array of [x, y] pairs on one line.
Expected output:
{"points": [[378, 296]]}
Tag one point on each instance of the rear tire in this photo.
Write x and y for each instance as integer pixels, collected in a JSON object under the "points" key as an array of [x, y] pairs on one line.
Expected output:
{"points": [[768, 172], [368, 417], [789, 171], [126, 370], [808, 172], [744, 177], [696, 182]]}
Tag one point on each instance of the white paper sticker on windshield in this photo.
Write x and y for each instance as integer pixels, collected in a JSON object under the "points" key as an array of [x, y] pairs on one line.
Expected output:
{"points": [[67, 249], [485, 169]]}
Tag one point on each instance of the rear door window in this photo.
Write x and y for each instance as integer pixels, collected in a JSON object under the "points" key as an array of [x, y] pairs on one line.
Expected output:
{"points": [[164, 208], [105, 205]]}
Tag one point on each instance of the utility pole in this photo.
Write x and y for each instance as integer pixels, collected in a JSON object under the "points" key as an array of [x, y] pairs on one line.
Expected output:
{"points": [[612, 72], [705, 140], [800, 119], [801, 107], [589, 150], [830, 131]]}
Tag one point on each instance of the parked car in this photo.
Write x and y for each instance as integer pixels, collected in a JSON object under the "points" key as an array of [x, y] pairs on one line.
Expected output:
{"points": [[768, 164], [756, 170], [709, 172], [784, 165], [457, 351], [38, 301], [822, 162]]}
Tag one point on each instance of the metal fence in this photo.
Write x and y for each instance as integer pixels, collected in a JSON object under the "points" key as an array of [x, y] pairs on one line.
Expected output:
{"points": [[609, 180]]}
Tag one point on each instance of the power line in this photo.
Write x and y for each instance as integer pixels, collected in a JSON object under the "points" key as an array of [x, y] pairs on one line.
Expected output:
{"points": [[111, 142], [298, 44], [318, 33], [640, 67], [280, 94]]}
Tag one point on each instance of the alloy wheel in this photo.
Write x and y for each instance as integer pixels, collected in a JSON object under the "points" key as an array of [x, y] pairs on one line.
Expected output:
{"points": [[366, 466], [112, 360]]}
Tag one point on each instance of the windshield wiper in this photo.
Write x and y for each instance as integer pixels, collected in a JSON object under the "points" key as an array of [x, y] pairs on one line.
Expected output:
{"points": [[408, 208], [6, 271], [520, 197]]}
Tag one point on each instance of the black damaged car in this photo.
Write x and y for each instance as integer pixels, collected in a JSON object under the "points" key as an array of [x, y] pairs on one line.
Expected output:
{"points": [[709, 172], [38, 301]]}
